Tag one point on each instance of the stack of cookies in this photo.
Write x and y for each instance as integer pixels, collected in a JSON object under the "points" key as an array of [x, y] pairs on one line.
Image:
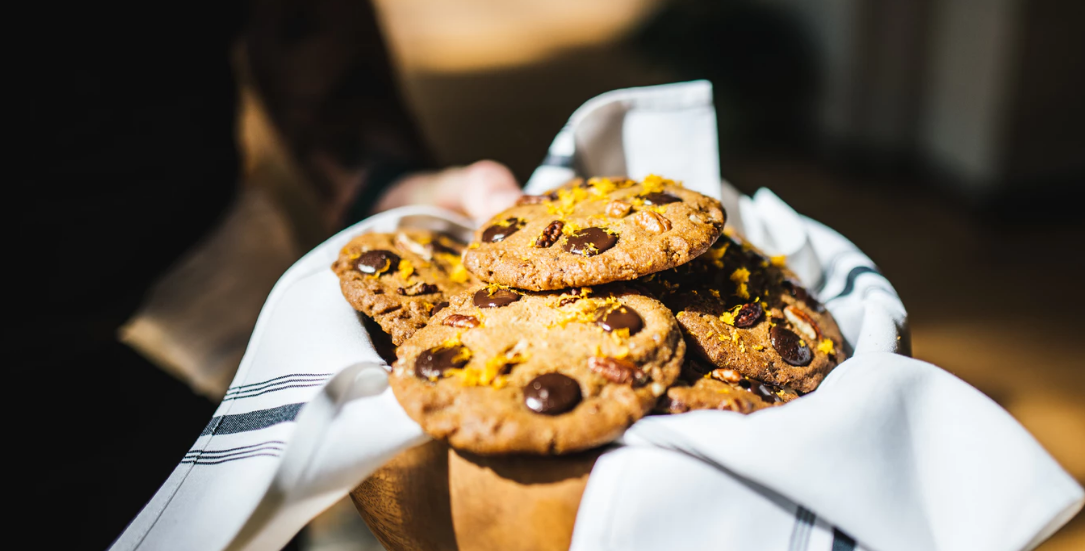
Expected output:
{"points": [[575, 313]]}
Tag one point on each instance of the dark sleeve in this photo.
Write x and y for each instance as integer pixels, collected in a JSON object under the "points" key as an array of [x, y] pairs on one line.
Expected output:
{"points": [[323, 72], [126, 155]]}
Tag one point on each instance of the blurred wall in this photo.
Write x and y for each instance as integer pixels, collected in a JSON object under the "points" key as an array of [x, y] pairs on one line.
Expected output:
{"points": [[969, 82], [984, 93], [1045, 125]]}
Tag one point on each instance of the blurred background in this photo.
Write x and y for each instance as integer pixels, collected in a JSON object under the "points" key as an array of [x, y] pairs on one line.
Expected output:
{"points": [[945, 138]]}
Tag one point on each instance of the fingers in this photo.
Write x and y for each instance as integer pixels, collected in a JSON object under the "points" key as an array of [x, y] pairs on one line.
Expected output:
{"points": [[479, 190], [487, 188]]}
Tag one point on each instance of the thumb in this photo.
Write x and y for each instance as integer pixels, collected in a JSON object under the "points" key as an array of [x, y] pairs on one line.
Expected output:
{"points": [[488, 188]]}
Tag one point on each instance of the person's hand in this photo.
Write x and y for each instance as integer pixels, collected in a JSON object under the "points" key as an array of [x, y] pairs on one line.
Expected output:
{"points": [[479, 190]]}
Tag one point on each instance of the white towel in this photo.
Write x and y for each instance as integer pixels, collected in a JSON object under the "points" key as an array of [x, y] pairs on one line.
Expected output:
{"points": [[890, 453]]}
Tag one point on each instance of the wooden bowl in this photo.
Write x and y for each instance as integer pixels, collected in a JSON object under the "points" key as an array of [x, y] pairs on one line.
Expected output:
{"points": [[435, 498]]}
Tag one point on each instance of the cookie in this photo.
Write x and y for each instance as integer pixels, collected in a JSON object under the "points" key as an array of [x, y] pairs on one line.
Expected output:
{"points": [[507, 371], [594, 232], [400, 279], [742, 310], [702, 387], [711, 394]]}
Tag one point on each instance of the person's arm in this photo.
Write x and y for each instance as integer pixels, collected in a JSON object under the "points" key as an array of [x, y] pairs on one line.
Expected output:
{"points": [[323, 72]]}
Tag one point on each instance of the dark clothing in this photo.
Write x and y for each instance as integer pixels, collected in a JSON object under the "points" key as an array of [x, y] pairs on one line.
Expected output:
{"points": [[126, 160], [129, 155]]}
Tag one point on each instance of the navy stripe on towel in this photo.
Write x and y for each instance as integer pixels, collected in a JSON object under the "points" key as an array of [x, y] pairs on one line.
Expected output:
{"points": [[855, 272], [271, 448], [253, 420], [281, 386], [842, 541], [217, 461], [278, 380], [800, 534], [276, 445], [564, 161]]}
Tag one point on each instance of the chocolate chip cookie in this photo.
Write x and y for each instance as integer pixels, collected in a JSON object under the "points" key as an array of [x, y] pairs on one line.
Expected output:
{"points": [[702, 387], [712, 394], [400, 279], [594, 232], [508, 371], [742, 310]]}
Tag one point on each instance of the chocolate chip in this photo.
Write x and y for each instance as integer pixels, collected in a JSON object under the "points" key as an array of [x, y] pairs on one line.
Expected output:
{"points": [[660, 198], [440, 306], [617, 370], [760, 389], [501, 230], [590, 241], [622, 317], [435, 361], [551, 394], [461, 321], [500, 297], [766, 391], [550, 235], [420, 288], [749, 315], [790, 346], [377, 262]]}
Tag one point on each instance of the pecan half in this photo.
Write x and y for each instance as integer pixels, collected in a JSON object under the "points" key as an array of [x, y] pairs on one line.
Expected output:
{"points": [[550, 235], [420, 288], [415, 247], [652, 221], [804, 323], [618, 209], [617, 371], [463, 322], [726, 375], [531, 200]]}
